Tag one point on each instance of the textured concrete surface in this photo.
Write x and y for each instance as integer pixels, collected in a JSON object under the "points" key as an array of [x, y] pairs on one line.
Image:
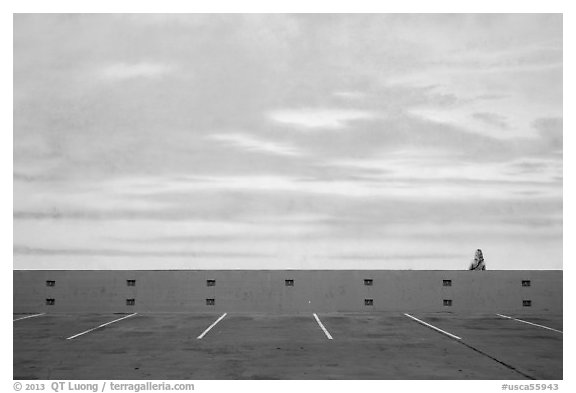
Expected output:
{"points": [[385, 345], [532, 350], [265, 291]]}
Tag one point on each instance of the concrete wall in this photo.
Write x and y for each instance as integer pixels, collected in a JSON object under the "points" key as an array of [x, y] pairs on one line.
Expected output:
{"points": [[265, 291]]}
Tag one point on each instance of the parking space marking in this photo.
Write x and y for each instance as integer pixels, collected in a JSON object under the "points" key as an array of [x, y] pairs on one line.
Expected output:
{"points": [[211, 326], [481, 352], [529, 323], [322, 327], [100, 326], [433, 327], [28, 316]]}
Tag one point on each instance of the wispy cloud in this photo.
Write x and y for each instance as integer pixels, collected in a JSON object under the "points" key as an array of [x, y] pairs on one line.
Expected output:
{"points": [[492, 119], [250, 143], [403, 167], [384, 257], [310, 118], [123, 71], [407, 180], [551, 131], [350, 95], [24, 250], [459, 118]]}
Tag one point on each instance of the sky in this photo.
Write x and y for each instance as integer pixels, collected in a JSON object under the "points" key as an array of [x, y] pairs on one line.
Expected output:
{"points": [[304, 141]]}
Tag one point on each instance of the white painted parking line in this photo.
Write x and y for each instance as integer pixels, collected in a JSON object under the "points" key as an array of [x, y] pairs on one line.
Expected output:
{"points": [[322, 327], [433, 327], [529, 323], [100, 326], [28, 316], [211, 326]]}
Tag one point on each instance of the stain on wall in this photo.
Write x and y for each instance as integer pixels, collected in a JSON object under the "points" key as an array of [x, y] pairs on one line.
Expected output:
{"points": [[266, 291]]}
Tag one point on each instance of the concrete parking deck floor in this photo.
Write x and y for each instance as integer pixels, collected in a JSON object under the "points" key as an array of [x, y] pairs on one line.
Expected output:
{"points": [[263, 346]]}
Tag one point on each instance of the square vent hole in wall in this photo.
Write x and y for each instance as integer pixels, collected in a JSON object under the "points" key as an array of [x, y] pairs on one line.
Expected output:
{"points": [[368, 282], [289, 283], [50, 302], [446, 283], [210, 302], [526, 283], [130, 302], [368, 302], [447, 302], [50, 283], [131, 283], [526, 303], [210, 283]]}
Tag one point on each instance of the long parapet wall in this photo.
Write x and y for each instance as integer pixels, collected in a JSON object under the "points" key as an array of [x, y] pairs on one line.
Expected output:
{"points": [[271, 291]]}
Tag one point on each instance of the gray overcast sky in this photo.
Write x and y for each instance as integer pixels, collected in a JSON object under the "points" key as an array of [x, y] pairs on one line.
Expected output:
{"points": [[287, 141]]}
